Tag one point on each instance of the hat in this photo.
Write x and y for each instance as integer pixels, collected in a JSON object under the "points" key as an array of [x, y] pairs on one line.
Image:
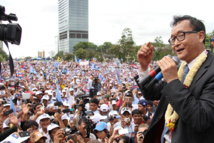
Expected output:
{"points": [[71, 89], [44, 116], [63, 91], [97, 117], [104, 108], [139, 92], [45, 97], [46, 91], [113, 102], [52, 126], [6, 104], [143, 102], [38, 92], [34, 89], [98, 93], [36, 136], [124, 109], [65, 116], [65, 103], [113, 113], [100, 126]]}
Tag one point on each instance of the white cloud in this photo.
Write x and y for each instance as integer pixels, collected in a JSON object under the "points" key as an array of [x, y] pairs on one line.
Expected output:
{"points": [[107, 19]]}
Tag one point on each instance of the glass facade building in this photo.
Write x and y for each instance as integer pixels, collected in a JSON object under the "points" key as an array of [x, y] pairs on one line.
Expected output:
{"points": [[72, 23]]}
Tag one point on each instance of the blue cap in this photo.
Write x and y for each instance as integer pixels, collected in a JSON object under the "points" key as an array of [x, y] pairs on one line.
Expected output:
{"points": [[143, 102], [100, 126]]}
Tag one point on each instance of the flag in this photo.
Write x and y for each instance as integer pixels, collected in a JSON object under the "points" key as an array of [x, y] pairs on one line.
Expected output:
{"points": [[12, 106], [134, 87], [112, 69], [76, 60], [58, 96], [57, 64], [118, 78], [45, 61], [213, 42], [85, 89], [94, 59], [134, 66], [58, 59], [119, 62], [32, 70]]}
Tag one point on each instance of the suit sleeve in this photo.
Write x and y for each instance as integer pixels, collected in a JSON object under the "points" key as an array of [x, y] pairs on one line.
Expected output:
{"points": [[154, 93], [194, 108]]}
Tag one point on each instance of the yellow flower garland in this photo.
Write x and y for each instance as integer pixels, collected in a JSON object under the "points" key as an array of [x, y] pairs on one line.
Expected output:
{"points": [[170, 116]]}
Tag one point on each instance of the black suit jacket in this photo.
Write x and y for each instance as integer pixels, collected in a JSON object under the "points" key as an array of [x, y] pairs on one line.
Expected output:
{"points": [[194, 105]]}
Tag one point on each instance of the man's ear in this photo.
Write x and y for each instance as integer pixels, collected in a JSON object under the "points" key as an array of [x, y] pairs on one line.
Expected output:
{"points": [[201, 36]]}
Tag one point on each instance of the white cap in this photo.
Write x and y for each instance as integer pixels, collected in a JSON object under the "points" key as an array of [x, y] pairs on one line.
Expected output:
{"points": [[104, 108], [113, 102], [34, 89], [46, 91], [45, 97], [63, 91], [98, 93], [65, 103], [71, 89], [44, 116], [65, 116], [97, 117], [50, 92], [5, 126], [7, 104], [124, 109], [52, 126], [113, 112], [38, 92]]}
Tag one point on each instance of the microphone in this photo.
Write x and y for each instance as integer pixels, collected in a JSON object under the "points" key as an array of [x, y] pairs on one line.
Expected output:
{"points": [[159, 76], [151, 74]]}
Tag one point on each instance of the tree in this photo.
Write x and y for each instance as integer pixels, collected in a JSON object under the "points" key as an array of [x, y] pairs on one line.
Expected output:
{"points": [[126, 43], [68, 57], [85, 50], [3, 54]]}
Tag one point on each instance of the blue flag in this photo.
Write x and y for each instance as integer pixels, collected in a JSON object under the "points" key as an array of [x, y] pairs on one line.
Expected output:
{"points": [[12, 106], [112, 69], [118, 78], [76, 59], [58, 96], [57, 65]]}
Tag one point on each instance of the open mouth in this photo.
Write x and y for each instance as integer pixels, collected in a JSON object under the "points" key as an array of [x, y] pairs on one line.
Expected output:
{"points": [[179, 50]]}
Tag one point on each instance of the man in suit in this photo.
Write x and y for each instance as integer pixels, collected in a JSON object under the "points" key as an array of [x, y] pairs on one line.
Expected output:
{"points": [[193, 103]]}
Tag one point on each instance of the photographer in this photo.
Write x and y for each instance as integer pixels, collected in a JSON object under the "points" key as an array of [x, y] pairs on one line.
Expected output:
{"points": [[142, 129], [84, 126]]}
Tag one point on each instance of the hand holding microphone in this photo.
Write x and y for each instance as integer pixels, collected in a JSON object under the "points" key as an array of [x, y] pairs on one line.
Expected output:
{"points": [[168, 68]]}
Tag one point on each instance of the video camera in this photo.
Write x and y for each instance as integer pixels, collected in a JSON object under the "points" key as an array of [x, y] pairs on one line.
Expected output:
{"points": [[10, 32]]}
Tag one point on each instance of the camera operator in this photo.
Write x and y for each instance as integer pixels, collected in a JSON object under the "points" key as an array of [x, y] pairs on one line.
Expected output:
{"points": [[125, 123], [83, 125], [142, 129]]}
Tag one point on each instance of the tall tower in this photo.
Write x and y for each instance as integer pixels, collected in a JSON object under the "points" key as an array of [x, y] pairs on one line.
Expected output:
{"points": [[72, 23]]}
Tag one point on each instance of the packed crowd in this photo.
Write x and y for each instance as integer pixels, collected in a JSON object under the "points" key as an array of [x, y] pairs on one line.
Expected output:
{"points": [[69, 102]]}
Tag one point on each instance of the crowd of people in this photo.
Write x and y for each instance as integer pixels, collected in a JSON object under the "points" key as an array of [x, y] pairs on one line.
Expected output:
{"points": [[51, 101]]}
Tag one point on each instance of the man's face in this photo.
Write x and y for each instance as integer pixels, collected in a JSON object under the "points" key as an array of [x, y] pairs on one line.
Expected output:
{"points": [[142, 108], [93, 106], [189, 48], [137, 118], [126, 115], [44, 123], [82, 129], [45, 102], [71, 92]]}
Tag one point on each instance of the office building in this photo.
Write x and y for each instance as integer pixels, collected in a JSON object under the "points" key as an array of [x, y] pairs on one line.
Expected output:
{"points": [[72, 23]]}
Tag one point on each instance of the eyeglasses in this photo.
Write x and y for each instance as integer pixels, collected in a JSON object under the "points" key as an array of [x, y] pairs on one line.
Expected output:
{"points": [[180, 37]]}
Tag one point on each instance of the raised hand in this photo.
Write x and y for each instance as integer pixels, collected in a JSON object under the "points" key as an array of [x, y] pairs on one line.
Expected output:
{"points": [[144, 56]]}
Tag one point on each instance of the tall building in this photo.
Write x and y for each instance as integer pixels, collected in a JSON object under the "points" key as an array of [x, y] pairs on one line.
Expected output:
{"points": [[72, 23]]}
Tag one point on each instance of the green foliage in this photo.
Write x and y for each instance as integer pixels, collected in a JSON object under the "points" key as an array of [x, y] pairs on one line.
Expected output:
{"points": [[4, 55], [68, 57], [59, 54]]}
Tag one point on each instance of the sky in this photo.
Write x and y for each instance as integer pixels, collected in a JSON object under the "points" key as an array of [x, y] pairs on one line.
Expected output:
{"points": [[107, 19]]}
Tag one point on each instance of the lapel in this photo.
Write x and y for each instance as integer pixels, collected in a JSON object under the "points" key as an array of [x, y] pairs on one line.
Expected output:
{"points": [[203, 69]]}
